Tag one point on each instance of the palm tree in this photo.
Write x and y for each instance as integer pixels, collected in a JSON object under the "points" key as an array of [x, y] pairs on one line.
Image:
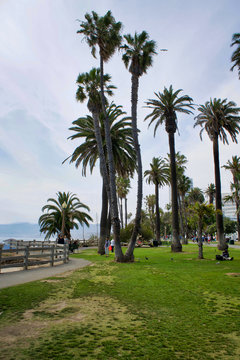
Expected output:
{"points": [[104, 32], [217, 117], [87, 153], [89, 87], [210, 192], [137, 57], [236, 54], [63, 214], [150, 201], [234, 167], [159, 176], [181, 161], [123, 186], [195, 195], [165, 108]]}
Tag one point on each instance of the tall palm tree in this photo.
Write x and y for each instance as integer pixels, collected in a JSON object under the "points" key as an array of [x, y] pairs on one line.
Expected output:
{"points": [[137, 57], [87, 153], [236, 54], [63, 214], [217, 117], [104, 32], [89, 88], [210, 192], [164, 110], [159, 176], [234, 167]]}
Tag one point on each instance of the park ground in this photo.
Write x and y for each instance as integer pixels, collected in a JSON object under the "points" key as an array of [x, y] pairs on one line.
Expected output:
{"points": [[164, 306]]}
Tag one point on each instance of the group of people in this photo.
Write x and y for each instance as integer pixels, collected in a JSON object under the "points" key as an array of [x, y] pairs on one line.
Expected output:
{"points": [[72, 244], [109, 246], [205, 238]]}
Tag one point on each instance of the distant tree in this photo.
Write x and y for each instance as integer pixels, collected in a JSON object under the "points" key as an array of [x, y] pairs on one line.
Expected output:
{"points": [[159, 176], [123, 186], [217, 117], [234, 167], [164, 110], [230, 226], [184, 186], [236, 54], [210, 192], [202, 212], [63, 214], [150, 202], [195, 195]]}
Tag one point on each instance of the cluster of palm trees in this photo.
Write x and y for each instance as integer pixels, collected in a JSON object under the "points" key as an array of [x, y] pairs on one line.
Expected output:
{"points": [[112, 138], [103, 35]]}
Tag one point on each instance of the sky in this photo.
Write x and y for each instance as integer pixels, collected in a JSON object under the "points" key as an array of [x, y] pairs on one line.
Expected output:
{"points": [[41, 55]]}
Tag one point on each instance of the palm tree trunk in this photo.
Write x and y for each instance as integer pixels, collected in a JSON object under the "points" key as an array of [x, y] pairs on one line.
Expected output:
{"points": [[238, 225], [157, 213], [211, 198], [238, 213], [121, 212], [237, 202], [180, 215], [126, 214], [112, 183], [185, 240], [134, 100], [109, 224], [103, 221], [63, 223], [222, 245], [176, 245]]}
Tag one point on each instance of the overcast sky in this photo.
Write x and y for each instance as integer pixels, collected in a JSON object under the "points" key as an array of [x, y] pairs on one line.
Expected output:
{"points": [[40, 58]]}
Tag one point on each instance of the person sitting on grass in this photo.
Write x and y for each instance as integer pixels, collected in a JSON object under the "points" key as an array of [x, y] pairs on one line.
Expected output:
{"points": [[225, 255]]}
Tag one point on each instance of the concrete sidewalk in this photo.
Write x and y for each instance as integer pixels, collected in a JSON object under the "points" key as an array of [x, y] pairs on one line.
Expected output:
{"points": [[24, 276]]}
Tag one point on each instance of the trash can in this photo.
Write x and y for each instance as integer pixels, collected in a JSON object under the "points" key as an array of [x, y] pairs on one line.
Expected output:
{"points": [[155, 243], [231, 242]]}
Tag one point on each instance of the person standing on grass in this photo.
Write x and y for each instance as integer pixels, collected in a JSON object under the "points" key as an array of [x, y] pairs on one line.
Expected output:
{"points": [[107, 244], [112, 245]]}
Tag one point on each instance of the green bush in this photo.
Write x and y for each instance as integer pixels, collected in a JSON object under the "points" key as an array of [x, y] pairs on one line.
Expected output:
{"points": [[126, 233]]}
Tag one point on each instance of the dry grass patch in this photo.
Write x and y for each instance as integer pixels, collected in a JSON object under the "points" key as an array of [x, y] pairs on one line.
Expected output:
{"points": [[233, 274]]}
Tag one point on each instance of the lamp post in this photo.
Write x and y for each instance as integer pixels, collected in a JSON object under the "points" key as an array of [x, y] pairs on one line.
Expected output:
{"points": [[64, 205]]}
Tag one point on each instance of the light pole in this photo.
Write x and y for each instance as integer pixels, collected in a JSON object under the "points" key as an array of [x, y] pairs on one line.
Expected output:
{"points": [[64, 205]]}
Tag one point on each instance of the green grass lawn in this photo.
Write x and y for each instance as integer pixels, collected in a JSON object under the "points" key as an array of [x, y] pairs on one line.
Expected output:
{"points": [[171, 306]]}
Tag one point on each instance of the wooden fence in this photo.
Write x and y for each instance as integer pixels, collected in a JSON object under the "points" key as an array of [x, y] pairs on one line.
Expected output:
{"points": [[26, 254]]}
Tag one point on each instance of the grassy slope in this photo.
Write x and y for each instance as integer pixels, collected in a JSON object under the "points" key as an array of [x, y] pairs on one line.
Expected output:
{"points": [[171, 306]]}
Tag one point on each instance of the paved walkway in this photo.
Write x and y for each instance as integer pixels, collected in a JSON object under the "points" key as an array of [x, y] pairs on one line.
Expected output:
{"points": [[24, 276]]}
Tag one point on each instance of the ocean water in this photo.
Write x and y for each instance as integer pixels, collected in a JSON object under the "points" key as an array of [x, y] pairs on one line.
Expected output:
{"points": [[29, 232]]}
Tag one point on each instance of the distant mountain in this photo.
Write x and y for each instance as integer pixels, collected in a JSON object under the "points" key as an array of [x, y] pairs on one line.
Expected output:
{"points": [[25, 231]]}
